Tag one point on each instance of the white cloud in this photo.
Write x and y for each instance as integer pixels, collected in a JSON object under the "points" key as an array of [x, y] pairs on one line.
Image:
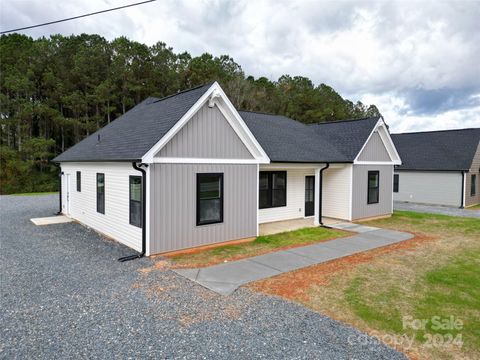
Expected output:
{"points": [[416, 60]]}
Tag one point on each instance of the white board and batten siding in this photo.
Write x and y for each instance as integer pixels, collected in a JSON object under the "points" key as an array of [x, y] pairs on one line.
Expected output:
{"points": [[83, 205], [295, 197], [430, 187], [337, 192]]}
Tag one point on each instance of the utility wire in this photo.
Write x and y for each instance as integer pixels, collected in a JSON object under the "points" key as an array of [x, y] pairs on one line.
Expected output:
{"points": [[75, 17]]}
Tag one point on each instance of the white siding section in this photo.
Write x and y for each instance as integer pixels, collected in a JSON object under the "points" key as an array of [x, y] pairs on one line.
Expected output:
{"points": [[83, 205], [295, 198], [337, 193], [428, 187]]}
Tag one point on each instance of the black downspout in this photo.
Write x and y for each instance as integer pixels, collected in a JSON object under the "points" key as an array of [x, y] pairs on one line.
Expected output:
{"points": [[144, 218], [60, 173], [320, 191], [462, 204]]}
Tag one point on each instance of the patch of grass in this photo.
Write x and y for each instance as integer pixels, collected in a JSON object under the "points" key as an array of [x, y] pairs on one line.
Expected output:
{"points": [[438, 277], [474, 207], [260, 245], [429, 223], [36, 193]]}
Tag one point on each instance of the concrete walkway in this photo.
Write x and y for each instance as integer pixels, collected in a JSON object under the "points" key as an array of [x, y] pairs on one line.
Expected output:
{"points": [[227, 277], [436, 209]]}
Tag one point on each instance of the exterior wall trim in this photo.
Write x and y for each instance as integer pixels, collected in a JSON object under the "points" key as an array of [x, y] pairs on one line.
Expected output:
{"points": [[172, 160]]}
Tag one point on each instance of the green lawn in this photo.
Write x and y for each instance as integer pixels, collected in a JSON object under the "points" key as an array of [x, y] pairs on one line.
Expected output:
{"points": [[260, 245], [438, 276], [36, 193]]}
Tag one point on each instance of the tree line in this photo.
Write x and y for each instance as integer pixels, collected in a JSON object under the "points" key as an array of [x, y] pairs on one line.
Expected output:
{"points": [[56, 91]]}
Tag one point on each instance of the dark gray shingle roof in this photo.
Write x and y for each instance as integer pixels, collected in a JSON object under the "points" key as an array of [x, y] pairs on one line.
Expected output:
{"points": [[287, 140], [437, 150], [131, 135]]}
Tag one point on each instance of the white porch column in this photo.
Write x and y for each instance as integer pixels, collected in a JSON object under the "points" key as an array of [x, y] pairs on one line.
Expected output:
{"points": [[316, 219]]}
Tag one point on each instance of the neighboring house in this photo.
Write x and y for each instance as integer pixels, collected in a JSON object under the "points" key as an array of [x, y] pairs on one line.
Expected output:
{"points": [[190, 170], [438, 167]]}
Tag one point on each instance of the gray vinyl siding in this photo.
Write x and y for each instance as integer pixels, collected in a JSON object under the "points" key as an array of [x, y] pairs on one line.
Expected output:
{"points": [[360, 208], [207, 135], [173, 206], [430, 187], [374, 150], [474, 169]]}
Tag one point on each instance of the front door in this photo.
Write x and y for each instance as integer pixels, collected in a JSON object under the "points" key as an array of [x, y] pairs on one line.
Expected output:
{"points": [[309, 195]]}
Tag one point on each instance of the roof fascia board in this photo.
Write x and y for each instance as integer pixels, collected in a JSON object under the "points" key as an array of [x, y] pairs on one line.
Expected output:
{"points": [[432, 170], [241, 128], [280, 165], [374, 163], [380, 127], [148, 157]]}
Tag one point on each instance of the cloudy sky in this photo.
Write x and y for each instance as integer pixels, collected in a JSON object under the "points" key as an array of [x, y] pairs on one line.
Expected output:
{"points": [[418, 61]]}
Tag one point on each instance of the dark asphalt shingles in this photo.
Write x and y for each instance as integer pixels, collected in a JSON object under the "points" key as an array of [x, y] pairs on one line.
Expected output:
{"points": [[64, 295]]}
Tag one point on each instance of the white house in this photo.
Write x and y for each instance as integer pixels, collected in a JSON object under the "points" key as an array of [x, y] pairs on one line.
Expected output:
{"points": [[439, 167], [190, 170]]}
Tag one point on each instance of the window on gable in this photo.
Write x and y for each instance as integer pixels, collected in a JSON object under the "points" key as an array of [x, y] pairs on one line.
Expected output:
{"points": [[272, 190], [79, 181], [373, 187], [473, 185], [209, 198], [396, 178], [101, 193], [135, 184]]}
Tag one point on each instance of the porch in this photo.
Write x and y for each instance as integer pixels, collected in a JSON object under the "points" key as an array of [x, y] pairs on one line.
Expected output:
{"points": [[294, 196], [276, 227]]}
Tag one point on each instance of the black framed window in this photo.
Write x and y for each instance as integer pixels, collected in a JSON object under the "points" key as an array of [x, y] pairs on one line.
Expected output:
{"points": [[209, 198], [396, 178], [373, 187], [79, 181], [272, 190], [473, 185], [101, 193], [135, 185]]}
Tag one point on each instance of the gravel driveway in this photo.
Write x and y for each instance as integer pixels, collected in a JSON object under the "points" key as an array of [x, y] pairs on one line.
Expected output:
{"points": [[432, 209], [64, 295]]}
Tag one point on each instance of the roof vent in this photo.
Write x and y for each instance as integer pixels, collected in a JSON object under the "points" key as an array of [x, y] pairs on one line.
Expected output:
{"points": [[98, 137], [211, 101]]}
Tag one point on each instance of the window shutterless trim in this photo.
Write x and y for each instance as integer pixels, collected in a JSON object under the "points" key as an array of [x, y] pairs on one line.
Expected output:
{"points": [[473, 184], [79, 181], [396, 182], [271, 190], [130, 178], [377, 173], [103, 199], [208, 222]]}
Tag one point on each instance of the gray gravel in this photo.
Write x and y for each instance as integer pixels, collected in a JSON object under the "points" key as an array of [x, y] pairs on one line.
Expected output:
{"points": [[64, 295], [433, 209]]}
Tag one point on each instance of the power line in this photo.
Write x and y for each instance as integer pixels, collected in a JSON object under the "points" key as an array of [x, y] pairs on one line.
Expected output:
{"points": [[75, 17]]}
